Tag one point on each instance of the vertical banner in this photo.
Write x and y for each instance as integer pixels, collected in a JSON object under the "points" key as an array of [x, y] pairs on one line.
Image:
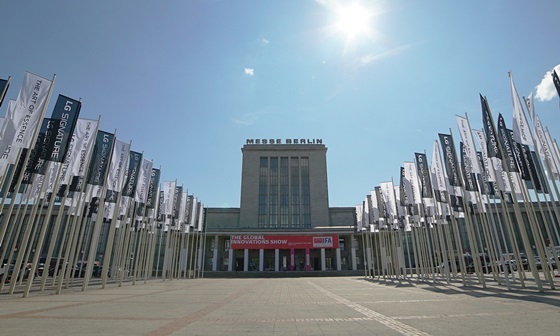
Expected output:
{"points": [[452, 169], [415, 196], [64, 118], [115, 177], [141, 193], [98, 167], [84, 142], [439, 179], [556, 81], [100, 158], [27, 114], [424, 175], [153, 189], [134, 162], [4, 85]]}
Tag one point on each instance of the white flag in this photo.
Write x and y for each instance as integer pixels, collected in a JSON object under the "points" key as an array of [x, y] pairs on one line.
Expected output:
{"points": [[521, 131], [201, 217], [83, 139], [141, 193], [471, 160], [28, 112]]}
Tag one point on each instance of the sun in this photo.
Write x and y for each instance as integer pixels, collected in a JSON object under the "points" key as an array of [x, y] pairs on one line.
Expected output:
{"points": [[353, 20]]}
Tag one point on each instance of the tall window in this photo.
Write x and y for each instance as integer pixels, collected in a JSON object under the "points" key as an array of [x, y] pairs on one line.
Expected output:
{"points": [[273, 195], [284, 192], [305, 193], [294, 190], [263, 192]]}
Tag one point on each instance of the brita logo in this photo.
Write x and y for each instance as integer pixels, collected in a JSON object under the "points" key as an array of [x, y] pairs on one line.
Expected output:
{"points": [[322, 242]]}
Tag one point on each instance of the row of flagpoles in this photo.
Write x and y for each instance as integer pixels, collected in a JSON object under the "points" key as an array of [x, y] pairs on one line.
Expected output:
{"points": [[75, 198], [501, 196]]}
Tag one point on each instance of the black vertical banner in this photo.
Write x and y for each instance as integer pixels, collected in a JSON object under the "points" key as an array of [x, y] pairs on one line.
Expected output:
{"points": [[381, 206], [64, 116], [402, 189], [424, 174], [100, 158], [556, 81], [450, 159], [504, 136], [161, 209], [4, 85], [152, 190], [134, 161], [177, 197], [486, 187], [540, 173], [466, 167], [493, 149]]}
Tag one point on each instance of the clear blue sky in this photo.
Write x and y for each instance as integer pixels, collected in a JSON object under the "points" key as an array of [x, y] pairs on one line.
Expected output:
{"points": [[189, 81]]}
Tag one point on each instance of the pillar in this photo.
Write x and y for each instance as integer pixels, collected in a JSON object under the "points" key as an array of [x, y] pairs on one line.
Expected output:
{"points": [[338, 263], [276, 260], [323, 261], [261, 260], [231, 262], [353, 242], [215, 255], [245, 260]]}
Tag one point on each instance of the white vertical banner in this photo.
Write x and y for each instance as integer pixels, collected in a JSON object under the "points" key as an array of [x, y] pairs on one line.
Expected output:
{"points": [[364, 215], [468, 143], [183, 212], [168, 195], [521, 130], [373, 208], [9, 156], [439, 181], [27, 113], [200, 217], [115, 177], [85, 132], [359, 216], [411, 178], [194, 214], [388, 195], [143, 181]]}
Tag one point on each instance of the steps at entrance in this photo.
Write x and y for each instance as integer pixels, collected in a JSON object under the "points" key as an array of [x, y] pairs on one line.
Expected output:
{"points": [[283, 274]]}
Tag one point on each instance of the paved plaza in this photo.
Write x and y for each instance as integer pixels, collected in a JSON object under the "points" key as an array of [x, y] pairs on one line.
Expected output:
{"points": [[286, 306]]}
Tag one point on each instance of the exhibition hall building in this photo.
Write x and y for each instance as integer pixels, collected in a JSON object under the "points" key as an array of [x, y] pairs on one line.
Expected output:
{"points": [[284, 222]]}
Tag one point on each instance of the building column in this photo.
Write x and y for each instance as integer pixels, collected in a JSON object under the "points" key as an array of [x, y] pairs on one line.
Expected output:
{"points": [[215, 255], [292, 259], [323, 261], [231, 262], [246, 260], [338, 264], [261, 260], [307, 260], [353, 253], [276, 260]]}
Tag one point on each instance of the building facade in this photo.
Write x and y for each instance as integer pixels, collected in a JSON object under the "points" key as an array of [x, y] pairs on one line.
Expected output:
{"points": [[284, 222]]}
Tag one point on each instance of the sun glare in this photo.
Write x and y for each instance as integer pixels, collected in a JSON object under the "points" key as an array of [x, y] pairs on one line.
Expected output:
{"points": [[353, 20]]}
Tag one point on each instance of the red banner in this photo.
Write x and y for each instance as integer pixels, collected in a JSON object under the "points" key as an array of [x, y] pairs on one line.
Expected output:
{"points": [[283, 242]]}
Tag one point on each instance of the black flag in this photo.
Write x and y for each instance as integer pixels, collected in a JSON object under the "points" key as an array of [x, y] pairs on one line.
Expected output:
{"points": [[556, 81]]}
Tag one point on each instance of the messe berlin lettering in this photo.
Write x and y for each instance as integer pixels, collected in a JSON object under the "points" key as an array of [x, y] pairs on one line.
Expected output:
{"points": [[283, 242], [286, 142]]}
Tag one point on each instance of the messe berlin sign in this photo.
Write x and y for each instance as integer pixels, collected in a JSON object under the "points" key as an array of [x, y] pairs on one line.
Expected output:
{"points": [[283, 242]]}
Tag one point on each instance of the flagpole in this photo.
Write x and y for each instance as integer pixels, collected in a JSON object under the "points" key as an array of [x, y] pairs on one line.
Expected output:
{"points": [[522, 229]]}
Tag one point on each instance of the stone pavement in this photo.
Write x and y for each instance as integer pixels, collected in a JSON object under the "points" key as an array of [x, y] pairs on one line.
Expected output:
{"points": [[286, 306]]}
